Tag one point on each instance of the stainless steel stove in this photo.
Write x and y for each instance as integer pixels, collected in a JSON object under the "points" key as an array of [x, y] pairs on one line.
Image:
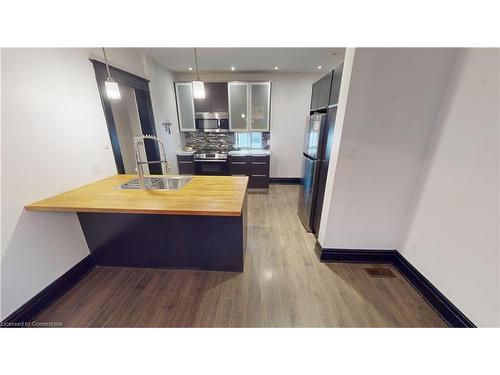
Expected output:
{"points": [[211, 163], [210, 156]]}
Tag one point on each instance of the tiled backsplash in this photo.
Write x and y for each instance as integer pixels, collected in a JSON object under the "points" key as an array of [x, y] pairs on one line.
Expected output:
{"points": [[223, 142], [266, 140], [209, 141]]}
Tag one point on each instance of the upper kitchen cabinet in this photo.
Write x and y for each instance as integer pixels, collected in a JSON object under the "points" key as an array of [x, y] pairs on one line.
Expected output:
{"points": [[185, 106], [249, 106], [215, 98], [315, 96], [335, 90], [260, 98], [218, 94], [238, 106], [321, 93]]}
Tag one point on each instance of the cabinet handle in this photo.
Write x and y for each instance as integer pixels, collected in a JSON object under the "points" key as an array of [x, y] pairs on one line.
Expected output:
{"points": [[238, 162], [259, 175], [259, 162], [186, 162]]}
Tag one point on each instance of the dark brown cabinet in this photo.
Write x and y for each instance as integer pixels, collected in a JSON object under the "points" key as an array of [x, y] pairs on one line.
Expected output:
{"points": [[254, 166], [315, 96], [186, 164], [219, 97], [215, 98], [335, 90], [321, 92]]}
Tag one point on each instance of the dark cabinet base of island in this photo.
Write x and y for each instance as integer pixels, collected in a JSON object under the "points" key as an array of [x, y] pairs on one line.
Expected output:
{"points": [[215, 243]]}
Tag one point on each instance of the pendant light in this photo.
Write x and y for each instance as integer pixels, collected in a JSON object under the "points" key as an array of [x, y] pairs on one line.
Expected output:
{"points": [[198, 85], [112, 89]]}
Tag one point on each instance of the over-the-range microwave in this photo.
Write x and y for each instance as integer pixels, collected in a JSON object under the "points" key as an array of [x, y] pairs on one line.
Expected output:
{"points": [[212, 121]]}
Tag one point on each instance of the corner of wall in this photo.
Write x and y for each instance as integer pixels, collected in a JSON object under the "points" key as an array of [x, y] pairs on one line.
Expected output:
{"points": [[337, 139]]}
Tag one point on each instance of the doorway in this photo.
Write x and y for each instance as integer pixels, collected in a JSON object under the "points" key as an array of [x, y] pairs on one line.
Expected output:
{"points": [[128, 118], [128, 128]]}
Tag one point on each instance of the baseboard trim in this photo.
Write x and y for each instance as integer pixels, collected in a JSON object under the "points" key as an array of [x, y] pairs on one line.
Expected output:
{"points": [[354, 256], [50, 294], [448, 311], [443, 306], [285, 180]]}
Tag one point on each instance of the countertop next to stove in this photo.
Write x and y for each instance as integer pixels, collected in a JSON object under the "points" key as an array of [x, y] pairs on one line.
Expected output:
{"points": [[250, 152], [234, 152], [192, 152]]}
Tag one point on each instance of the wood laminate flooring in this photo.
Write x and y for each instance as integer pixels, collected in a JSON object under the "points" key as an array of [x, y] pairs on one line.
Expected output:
{"points": [[283, 285]]}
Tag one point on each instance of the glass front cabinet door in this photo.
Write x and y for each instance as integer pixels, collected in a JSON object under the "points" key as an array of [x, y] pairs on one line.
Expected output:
{"points": [[185, 106], [238, 106], [260, 98]]}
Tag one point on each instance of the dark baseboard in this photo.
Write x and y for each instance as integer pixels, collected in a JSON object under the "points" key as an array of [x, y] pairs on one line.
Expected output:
{"points": [[443, 306], [354, 256], [50, 294], [448, 311], [285, 180]]}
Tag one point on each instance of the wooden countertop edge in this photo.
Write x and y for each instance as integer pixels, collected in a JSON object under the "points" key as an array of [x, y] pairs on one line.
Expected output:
{"points": [[43, 206], [131, 211]]}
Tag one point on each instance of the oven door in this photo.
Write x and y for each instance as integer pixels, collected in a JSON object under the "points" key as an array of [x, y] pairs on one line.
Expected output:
{"points": [[211, 167]]}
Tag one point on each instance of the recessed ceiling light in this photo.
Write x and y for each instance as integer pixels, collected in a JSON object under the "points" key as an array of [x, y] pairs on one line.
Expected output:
{"points": [[275, 68], [233, 68], [320, 67], [190, 68]]}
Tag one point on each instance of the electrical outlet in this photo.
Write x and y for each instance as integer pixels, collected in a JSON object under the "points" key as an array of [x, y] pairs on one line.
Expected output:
{"points": [[95, 167]]}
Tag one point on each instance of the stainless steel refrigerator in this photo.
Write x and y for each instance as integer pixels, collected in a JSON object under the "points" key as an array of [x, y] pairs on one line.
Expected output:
{"points": [[314, 142]]}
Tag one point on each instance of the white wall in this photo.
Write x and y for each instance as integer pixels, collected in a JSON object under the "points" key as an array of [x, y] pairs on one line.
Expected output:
{"points": [[164, 109], [391, 107], [128, 59], [53, 128], [453, 229], [290, 102]]}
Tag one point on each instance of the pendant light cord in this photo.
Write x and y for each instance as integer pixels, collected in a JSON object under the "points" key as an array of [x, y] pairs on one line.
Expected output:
{"points": [[106, 61], [196, 64]]}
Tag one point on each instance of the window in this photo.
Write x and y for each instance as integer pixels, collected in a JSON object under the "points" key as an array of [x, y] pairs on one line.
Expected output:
{"points": [[248, 140]]}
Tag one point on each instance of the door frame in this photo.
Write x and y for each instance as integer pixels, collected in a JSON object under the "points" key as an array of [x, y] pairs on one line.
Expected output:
{"points": [[144, 107]]}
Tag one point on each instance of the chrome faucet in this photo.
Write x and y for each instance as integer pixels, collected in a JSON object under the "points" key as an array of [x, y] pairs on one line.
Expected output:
{"points": [[163, 157]]}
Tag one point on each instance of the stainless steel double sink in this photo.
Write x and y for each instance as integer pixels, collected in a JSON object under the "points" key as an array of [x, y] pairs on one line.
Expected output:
{"points": [[158, 183]]}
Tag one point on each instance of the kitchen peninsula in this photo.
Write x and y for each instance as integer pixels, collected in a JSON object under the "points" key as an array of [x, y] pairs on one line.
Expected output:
{"points": [[201, 225]]}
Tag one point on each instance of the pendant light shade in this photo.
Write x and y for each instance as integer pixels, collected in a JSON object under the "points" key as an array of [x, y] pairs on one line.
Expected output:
{"points": [[112, 89], [198, 85], [198, 90]]}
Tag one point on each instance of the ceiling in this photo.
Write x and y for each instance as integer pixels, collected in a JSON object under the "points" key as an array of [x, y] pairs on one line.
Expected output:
{"points": [[247, 60]]}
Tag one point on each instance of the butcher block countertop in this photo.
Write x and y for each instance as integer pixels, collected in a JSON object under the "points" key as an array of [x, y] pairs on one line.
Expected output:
{"points": [[203, 195]]}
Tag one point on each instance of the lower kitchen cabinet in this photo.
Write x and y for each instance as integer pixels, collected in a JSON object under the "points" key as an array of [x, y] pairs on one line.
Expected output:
{"points": [[254, 166], [186, 164]]}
